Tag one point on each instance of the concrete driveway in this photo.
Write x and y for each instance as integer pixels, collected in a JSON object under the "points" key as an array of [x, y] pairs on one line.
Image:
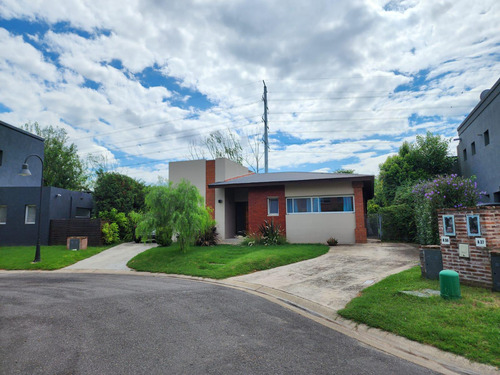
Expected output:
{"points": [[113, 259], [335, 278]]}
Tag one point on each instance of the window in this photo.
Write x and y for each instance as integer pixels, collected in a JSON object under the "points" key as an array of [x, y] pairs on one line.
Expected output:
{"points": [[82, 213], [273, 208], [3, 214], [1, 157], [486, 136], [473, 148], [30, 217], [319, 204], [465, 154]]}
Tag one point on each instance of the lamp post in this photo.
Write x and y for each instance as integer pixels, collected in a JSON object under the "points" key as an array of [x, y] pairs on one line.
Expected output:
{"points": [[25, 171]]}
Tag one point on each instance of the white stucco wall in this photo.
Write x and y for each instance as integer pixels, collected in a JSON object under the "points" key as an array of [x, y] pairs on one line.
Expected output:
{"points": [[193, 171], [318, 227]]}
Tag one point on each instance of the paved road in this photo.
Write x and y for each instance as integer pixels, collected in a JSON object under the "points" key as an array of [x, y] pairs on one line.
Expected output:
{"points": [[131, 324], [335, 278], [113, 259]]}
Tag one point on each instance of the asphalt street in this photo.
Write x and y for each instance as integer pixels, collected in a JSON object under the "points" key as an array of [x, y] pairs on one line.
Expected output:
{"points": [[54, 323]]}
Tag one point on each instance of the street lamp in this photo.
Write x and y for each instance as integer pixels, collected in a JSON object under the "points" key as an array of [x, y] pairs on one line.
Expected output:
{"points": [[25, 171]]}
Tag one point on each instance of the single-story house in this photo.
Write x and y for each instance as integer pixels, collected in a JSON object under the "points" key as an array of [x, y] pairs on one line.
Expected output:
{"points": [[309, 206]]}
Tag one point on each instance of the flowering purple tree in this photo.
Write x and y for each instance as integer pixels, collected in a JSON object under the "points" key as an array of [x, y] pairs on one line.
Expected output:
{"points": [[451, 191]]}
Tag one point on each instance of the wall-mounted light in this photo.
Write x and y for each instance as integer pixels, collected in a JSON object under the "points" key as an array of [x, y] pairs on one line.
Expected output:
{"points": [[220, 200], [58, 195]]}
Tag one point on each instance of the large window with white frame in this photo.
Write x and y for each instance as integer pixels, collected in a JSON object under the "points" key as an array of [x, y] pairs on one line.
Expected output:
{"points": [[30, 215], [319, 205], [3, 214]]}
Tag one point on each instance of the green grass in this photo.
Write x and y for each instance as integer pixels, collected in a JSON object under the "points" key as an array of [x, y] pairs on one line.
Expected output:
{"points": [[221, 261], [469, 327], [52, 257]]}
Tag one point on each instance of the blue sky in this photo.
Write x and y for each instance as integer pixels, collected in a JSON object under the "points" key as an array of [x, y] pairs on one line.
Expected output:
{"points": [[139, 85]]}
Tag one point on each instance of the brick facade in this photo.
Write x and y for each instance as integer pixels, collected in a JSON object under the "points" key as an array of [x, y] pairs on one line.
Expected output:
{"points": [[359, 205], [476, 269], [210, 179], [257, 207]]}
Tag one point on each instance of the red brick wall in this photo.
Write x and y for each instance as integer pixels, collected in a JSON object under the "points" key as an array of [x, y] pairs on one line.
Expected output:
{"points": [[475, 270], [210, 193], [359, 205], [257, 207]]}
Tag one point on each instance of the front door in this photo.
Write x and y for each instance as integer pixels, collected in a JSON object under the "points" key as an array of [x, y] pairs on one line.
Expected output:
{"points": [[241, 217]]}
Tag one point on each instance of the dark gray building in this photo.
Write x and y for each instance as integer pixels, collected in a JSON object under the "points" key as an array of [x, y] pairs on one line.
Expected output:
{"points": [[20, 195], [479, 147], [18, 223], [15, 145]]}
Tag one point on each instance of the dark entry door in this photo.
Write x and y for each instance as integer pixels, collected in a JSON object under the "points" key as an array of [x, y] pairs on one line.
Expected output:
{"points": [[241, 217]]}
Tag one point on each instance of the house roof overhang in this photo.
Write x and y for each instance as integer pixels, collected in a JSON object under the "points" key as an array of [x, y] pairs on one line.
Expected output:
{"points": [[281, 178]]}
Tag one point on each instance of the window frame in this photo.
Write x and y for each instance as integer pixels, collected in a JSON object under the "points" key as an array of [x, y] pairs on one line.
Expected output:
{"points": [[473, 148], [3, 222], [486, 136], [464, 153], [315, 204], [269, 213], [26, 210]]}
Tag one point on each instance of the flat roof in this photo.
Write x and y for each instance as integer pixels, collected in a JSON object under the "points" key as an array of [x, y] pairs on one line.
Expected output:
{"points": [[277, 178], [483, 103], [15, 128]]}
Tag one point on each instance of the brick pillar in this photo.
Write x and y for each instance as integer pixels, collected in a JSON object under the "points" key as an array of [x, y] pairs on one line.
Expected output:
{"points": [[359, 204], [210, 193]]}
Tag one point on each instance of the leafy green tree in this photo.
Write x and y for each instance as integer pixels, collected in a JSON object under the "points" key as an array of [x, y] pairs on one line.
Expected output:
{"points": [[177, 209], [421, 160], [62, 166], [115, 190]]}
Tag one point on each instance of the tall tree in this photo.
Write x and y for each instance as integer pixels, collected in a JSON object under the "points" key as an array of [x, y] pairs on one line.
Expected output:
{"points": [[62, 167], [115, 190], [421, 160], [175, 209]]}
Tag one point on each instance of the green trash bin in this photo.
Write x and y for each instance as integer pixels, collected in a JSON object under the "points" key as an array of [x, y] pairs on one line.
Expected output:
{"points": [[449, 284]]}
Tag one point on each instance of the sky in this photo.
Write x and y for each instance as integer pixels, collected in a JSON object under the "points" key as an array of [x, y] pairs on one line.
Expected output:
{"points": [[137, 84]]}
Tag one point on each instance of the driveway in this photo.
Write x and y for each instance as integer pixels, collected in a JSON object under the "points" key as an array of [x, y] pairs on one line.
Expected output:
{"points": [[54, 323], [113, 259], [335, 278]]}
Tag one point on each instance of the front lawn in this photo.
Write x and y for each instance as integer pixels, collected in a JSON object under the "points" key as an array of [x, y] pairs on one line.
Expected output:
{"points": [[221, 261], [52, 257], [469, 327]]}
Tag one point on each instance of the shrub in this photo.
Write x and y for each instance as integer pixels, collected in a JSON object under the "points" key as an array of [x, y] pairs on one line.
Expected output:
{"points": [[398, 223], [271, 234], [442, 192], [252, 239], [208, 238], [110, 233], [123, 223], [332, 241]]}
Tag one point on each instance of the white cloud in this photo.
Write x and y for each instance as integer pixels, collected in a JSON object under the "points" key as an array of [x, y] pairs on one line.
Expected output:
{"points": [[331, 70]]}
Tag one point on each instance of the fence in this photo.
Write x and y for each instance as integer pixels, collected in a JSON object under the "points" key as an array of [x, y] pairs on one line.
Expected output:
{"points": [[61, 229]]}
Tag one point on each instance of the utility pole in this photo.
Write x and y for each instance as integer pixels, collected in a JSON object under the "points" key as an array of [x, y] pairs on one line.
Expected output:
{"points": [[266, 142]]}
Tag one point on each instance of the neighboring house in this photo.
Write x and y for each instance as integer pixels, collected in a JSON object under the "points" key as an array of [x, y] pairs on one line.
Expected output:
{"points": [[309, 207], [19, 195], [479, 147]]}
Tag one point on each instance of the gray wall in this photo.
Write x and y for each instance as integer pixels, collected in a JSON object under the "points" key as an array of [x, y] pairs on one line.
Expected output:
{"points": [[16, 232], [15, 145], [485, 163]]}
